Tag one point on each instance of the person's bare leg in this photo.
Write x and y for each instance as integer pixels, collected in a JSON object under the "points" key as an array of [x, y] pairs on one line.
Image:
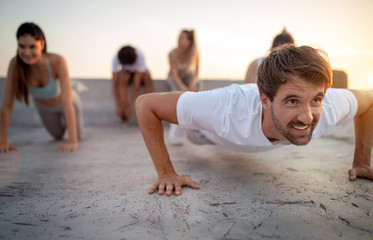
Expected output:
{"points": [[148, 83], [124, 79], [116, 92], [137, 79]]}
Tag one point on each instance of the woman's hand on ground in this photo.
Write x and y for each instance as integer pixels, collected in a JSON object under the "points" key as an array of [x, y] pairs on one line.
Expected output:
{"points": [[4, 148], [68, 147]]}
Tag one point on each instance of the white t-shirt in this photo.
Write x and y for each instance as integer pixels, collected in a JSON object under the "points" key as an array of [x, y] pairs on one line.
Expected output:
{"points": [[137, 66], [232, 116]]}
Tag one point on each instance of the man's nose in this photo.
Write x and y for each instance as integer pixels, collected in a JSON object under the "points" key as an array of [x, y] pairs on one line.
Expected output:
{"points": [[306, 115]]}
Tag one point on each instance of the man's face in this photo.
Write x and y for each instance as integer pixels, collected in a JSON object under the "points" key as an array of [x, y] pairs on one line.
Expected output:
{"points": [[296, 110]]}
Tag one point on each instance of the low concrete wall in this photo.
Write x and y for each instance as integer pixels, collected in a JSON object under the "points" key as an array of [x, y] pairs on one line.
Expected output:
{"points": [[98, 101]]}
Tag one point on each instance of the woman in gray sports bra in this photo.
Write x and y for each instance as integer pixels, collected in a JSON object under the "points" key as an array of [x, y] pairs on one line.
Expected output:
{"points": [[45, 76]]}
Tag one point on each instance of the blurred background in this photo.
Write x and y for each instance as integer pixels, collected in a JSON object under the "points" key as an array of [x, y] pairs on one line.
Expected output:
{"points": [[230, 34]]}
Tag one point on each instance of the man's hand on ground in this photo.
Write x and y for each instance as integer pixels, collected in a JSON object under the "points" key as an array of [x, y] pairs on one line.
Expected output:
{"points": [[168, 184]]}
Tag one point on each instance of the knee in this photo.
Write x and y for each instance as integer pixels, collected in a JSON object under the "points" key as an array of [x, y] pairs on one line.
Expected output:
{"points": [[58, 135]]}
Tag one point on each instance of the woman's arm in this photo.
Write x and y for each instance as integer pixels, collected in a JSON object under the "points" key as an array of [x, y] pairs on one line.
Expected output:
{"points": [[7, 108], [175, 74], [251, 72], [67, 105], [194, 84], [363, 136]]}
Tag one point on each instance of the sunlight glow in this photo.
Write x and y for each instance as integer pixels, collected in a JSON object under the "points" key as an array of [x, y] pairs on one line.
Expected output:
{"points": [[370, 80], [348, 51], [228, 39]]}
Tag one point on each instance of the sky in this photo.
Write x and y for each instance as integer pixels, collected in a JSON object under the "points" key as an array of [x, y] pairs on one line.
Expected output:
{"points": [[230, 34]]}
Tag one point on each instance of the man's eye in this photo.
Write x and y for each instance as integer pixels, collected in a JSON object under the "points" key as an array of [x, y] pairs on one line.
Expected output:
{"points": [[317, 100], [292, 101]]}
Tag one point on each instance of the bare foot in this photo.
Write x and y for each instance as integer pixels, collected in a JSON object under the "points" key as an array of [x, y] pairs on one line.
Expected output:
{"points": [[128, 112]]}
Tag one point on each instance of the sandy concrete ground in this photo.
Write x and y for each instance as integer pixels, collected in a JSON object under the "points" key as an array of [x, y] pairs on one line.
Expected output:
{"points": [[100, 191]]}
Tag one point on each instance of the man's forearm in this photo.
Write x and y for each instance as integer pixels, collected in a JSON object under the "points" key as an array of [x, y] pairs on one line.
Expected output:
{"points": [[363, 138], [152, 130]]}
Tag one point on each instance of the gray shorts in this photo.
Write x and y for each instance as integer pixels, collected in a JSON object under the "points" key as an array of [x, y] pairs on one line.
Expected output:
{"points": [[197, 137], [53, 117]]}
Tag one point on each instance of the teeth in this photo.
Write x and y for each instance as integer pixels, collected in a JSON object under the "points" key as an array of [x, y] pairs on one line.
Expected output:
{"points": [[300, 128]]}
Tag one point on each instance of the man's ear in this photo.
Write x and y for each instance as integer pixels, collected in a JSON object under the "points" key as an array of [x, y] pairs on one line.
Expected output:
{"points": [[265, 100]]}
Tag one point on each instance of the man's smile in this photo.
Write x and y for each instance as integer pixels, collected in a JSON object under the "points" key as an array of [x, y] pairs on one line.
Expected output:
{"points": [[301, 127]]}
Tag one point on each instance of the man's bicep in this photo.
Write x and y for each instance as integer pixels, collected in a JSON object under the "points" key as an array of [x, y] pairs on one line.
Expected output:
{"points": [[364, 100], [164, 105]]}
